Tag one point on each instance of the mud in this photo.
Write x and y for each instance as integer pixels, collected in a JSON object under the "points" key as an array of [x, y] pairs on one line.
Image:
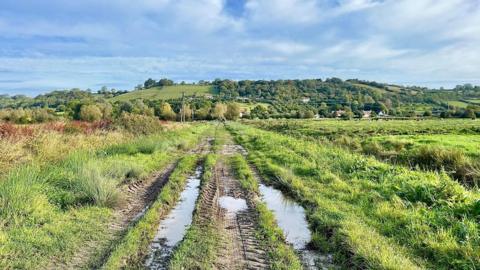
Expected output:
{"points": [[240, 249], [173, 227]]}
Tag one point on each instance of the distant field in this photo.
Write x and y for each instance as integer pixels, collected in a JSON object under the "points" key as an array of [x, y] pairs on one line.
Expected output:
{"points": [[167, 92], [457, 103], [418, 108], [250, 106], [475, 101]]}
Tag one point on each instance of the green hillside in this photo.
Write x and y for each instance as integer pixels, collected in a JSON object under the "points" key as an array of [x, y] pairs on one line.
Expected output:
{"points": [[166, 92]]}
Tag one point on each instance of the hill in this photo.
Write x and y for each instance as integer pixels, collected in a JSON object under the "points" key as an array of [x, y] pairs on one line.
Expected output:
{"points": [[166, 92]]}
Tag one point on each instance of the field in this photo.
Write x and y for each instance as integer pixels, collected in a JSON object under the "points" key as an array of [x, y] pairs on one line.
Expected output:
{"points": [[166, 92], [474, 101], [283, 194], [457, 103]]}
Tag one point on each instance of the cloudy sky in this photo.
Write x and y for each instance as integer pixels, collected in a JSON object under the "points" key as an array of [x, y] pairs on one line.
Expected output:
{"points": [[57, 44]]}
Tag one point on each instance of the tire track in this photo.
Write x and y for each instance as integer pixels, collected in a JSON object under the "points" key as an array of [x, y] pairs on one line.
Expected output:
{"points": [[240, 221]]}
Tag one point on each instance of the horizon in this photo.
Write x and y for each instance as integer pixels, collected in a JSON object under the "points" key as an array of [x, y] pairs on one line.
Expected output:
{"points": [[53, 45]]}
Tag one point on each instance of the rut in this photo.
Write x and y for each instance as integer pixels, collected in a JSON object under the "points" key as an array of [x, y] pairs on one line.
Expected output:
{"points": [[240, 248]]}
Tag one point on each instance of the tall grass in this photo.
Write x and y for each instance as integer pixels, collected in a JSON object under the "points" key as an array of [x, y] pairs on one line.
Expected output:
{"points": [[49, 209]]}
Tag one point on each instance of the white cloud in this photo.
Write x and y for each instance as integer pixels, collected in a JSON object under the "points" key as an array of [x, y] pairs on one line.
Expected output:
{"points": [[283, 11], [115, 41], [276, 46]]}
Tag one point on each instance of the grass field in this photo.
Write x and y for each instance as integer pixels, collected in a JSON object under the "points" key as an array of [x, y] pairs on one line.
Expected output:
{"points": [[474, 101], [375, 195], [167, 92], [440, 145], [468, 144], [372, 215], [457, 103]]}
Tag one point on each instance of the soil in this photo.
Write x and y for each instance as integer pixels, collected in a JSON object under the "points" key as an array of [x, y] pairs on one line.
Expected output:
{"points": [[225, 201]]}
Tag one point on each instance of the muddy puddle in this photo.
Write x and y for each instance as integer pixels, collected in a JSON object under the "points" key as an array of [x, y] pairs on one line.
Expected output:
{"points": [[173, 227], [232, 205], [291, 218]]}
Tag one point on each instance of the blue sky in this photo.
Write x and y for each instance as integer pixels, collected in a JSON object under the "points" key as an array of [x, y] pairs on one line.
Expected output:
{"points": [[58, 44]]}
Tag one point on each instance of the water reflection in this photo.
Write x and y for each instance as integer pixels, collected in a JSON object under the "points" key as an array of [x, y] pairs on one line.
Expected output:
{"points": [[173, 227]]}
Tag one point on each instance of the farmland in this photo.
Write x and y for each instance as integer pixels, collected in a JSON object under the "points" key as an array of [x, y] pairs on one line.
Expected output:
{"points": [[103, 196], [166, 92]]}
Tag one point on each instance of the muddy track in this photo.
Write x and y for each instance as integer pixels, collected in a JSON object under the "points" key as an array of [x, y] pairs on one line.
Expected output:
{"points": [[240, 249]]}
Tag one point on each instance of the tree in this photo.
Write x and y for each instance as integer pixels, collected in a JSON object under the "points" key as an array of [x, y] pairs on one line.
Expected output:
{"points": [[219, 111], [90, 113], [469, 113], [259, 111], [348, 114], [149, 83], [233, 111], [165, 82], [427, 113], [166, 112], [187, 112], [106, 109], [309, 114], [203, 112]]}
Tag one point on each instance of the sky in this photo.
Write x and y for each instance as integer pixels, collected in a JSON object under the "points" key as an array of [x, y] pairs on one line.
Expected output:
{"points": [[57, 44]]}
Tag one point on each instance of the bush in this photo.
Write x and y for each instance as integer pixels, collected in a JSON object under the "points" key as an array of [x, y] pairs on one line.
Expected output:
{"points": [[90, 113], [139, 124]]}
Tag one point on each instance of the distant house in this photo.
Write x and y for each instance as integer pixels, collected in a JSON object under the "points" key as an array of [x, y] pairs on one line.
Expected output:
{"points": [[338, 113], [305, 99], [366, 114], [208, 96], [381, 114]]}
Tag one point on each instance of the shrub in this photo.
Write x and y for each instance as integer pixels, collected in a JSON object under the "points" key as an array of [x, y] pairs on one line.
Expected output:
{"points": [[90, 113], [139, 124]]}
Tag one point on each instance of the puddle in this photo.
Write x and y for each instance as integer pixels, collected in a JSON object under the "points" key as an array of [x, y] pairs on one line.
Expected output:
{"points": [[291, 218], [173, 227], [232, 205]]}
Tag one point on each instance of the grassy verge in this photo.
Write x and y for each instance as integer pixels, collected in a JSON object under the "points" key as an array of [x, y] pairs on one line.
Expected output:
{"points": [[49, 212], [281, 255], [371, 214], [133, 248], [198, 248]]}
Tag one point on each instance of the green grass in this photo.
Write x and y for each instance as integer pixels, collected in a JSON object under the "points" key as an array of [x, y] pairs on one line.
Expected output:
{"points": [[457, 103], [133, 248], [333, 129], [465, 143], [474, 101], [167, 92], [249, 106], [49, 211], [199, 247], [368, 213]]}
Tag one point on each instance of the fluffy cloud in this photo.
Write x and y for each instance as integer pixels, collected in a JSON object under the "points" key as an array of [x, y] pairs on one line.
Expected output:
{"points": [[57, 44]]}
